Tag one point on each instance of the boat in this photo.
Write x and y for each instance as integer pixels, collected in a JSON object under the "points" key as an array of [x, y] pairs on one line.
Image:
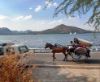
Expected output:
{"points": [[70, 33], [74, 33]]}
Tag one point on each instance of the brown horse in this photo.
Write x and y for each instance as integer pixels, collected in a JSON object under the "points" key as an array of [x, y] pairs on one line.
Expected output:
{"points": [[56, 49], [75, 53]]}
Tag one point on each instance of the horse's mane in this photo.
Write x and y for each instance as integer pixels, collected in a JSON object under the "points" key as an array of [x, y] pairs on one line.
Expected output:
{"points": [[49, 44], [59, 45]]}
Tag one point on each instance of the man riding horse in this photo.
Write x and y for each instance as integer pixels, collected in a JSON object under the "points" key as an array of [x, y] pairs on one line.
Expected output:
{"points": [[76, 51], [76, 45]]}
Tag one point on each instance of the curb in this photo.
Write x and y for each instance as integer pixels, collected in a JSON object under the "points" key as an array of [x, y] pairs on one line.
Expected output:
{"points": [[66, 66]]}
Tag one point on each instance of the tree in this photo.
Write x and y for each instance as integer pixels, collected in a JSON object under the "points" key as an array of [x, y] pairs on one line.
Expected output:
{"points": [[81, 7]]}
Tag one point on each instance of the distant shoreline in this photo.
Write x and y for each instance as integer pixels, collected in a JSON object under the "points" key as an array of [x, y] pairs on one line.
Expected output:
{"points": [[59, 29], [50, 33]]}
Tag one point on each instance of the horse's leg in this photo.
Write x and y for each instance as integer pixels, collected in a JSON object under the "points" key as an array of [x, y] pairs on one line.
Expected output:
{"points": [[54, 57], [65, 58], [86, 58], [88, 53]]}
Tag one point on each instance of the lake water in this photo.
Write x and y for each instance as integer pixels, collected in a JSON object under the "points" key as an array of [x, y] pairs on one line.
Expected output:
{"points": [[38, 41]]}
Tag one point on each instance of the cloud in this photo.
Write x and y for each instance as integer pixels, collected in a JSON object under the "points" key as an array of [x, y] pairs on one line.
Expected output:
{"points": [[2, 17], [38, 8], [56, 22], [19, 18], [27, 17], [38, 25], [30, 8], [50, 4], [55, 4]]}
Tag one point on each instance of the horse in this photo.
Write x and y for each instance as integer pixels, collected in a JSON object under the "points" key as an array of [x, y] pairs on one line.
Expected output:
{"points": [[56, 49], [78, 52]]}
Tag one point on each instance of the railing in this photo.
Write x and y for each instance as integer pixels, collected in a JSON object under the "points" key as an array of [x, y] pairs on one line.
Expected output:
{"points": [[40, 50], [95, 48], [43, 50]]}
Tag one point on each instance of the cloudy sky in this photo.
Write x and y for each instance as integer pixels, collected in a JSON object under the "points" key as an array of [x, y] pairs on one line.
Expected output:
{"points": [[32, 15]]}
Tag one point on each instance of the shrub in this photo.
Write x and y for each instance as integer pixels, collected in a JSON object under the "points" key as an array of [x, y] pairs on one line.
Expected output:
{"points": [[11, 70]]}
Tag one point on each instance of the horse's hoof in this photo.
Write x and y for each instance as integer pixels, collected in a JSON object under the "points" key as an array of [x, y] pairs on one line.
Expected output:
{"points": [[64, 59], [53, 60], [73, 60]]}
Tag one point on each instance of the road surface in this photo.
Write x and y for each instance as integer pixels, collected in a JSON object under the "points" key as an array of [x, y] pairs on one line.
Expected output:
{"points": [[46, 58], [50, 74]]}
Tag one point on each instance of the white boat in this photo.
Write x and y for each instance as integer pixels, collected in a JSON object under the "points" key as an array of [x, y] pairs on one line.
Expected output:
{"points": [[70, 33], [74, 33]]}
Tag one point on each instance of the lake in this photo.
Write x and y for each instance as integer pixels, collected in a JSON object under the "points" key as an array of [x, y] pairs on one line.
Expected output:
{"points": [[38, 41]]}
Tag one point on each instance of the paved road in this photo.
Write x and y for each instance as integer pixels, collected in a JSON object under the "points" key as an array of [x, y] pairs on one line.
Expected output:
{"points": [[52, 74], [61, 74], [46, 58], [66, 75]]}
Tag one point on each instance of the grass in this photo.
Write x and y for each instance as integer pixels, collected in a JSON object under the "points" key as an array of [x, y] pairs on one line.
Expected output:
{"points": [[11, 70]]}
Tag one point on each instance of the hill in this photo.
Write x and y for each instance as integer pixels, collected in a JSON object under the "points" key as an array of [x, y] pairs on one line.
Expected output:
{"points": [[60, 29], [65, 29], [5, 31]]}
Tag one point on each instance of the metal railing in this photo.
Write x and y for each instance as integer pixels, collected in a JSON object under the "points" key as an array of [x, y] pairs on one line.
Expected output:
{"points": [[43, 50], [40, 50]]}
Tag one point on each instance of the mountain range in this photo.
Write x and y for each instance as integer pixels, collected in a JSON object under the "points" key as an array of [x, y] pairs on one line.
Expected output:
{"points": [[60, 29]]}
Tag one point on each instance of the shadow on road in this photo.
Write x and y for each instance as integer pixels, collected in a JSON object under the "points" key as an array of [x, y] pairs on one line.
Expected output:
{"points": [[61, 75], [93, 61]]}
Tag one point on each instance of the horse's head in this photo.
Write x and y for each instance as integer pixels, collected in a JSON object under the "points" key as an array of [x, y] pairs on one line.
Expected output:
{"points": [[48, 45]]}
